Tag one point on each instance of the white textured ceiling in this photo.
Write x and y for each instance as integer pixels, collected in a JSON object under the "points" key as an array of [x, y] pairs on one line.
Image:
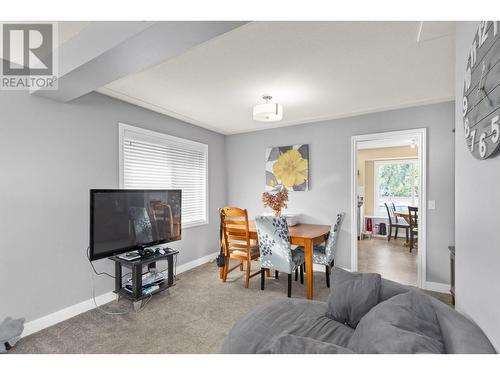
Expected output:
{"points": [[68, 30], [317, 70]]}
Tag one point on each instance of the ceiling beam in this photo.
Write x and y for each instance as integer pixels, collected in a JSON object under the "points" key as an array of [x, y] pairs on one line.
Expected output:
{"points": [[104, 54]]}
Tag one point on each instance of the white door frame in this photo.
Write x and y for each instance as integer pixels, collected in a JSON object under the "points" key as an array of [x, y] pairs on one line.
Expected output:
{"points": [[420, 135]]}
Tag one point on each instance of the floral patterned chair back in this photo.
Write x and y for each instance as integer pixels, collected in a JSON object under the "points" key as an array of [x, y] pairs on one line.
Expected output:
{"points": [[142, 228], [274, 243], [331, 243]]}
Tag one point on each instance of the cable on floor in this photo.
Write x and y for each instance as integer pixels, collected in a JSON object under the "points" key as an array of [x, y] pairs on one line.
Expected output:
{"points": [[113, 277]]}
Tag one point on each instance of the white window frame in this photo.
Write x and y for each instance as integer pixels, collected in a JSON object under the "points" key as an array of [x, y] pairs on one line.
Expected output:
{"points": [[158, 137], [376, 166]]}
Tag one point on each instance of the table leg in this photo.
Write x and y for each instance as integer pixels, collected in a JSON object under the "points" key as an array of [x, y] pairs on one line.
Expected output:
{"points": [[309, 268]]}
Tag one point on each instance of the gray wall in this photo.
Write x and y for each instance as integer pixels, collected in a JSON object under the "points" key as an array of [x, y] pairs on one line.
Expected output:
{"points": [[51, 154], [477, 220], [329, 193]]}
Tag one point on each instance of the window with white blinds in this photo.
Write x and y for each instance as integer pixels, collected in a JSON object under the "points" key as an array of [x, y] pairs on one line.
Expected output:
{"points": [[151, 160]]}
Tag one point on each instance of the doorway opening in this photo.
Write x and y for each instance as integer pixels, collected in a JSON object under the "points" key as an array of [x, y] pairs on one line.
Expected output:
{"points": [[388, 204]]}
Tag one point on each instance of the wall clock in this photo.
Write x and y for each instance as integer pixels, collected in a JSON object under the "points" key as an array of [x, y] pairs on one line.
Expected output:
{"points": [[481, 98]]}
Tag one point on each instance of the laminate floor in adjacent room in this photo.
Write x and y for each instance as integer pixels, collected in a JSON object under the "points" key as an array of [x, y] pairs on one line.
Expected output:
{"points": [[389, 258], [193, 317]]}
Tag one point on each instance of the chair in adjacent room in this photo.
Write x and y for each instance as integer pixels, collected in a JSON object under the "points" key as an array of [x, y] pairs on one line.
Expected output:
{"points": [[393, 207], [413, 217], [395, 222], [276, 252], [236, 242], [325, 254]]}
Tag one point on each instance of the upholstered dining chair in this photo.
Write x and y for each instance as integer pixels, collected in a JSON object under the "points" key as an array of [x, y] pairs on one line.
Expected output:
{"points": [[276, 252], [142, 229], [413, 218], [395, 222], [236, 242], [325, 254]]}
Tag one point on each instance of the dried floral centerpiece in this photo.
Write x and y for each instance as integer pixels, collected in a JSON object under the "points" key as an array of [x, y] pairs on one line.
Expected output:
{"points": [[276, 200]]}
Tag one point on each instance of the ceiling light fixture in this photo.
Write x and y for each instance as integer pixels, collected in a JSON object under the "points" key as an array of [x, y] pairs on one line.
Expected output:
{"points": [[268, 112]]}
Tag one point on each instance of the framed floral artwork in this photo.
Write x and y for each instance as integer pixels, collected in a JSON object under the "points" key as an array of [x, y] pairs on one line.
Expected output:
{"points": [[287, 166]]}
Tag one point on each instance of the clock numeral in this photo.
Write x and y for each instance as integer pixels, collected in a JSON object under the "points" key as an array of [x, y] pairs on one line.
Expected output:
{"points": [[482, 145], [495, 129], [481, 117], [473, 138], [472, 53], [482, 33], [468, 78]]}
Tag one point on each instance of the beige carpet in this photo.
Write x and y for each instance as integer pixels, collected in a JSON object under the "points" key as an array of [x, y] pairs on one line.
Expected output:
{"points": [[194, 317]]}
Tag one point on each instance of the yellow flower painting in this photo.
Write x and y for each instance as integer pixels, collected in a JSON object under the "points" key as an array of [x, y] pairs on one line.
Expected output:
{"points": [[287, 166]]}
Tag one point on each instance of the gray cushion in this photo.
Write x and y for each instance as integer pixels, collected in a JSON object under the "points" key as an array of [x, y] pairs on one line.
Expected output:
{"points": [[291, 344], [253, 331], [406, 323], [389, 288], [269, 327], [460, 335], [352, 295]]}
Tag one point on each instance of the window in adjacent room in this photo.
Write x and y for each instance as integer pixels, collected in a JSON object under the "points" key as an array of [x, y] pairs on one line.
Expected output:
{"points": [[151, 160], [396, 181]]}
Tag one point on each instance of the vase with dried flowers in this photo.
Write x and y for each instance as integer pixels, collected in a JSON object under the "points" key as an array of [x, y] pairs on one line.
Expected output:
{"points": [[276, 201]]}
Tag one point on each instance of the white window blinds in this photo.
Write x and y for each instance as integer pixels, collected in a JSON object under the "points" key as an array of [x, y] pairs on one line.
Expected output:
{"points": [[151, 160]]}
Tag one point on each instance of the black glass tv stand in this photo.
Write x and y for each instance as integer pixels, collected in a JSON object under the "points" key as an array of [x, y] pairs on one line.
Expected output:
{"points": [[137, 266]]}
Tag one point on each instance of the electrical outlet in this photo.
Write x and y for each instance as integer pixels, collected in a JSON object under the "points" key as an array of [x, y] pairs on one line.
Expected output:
{"points": [[431, 205]]}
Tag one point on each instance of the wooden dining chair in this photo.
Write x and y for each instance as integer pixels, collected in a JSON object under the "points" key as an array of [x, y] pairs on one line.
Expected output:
{"points": [[413, 217], [395, 222], [236, 242], [163, 218]]}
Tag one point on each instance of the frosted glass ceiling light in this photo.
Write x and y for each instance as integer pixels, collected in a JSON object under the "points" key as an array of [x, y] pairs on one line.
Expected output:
{"points": [[268, 112]]}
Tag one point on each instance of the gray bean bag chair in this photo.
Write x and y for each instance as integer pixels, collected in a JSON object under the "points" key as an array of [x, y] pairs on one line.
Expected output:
{"points": [[10, 333], [364, 314]]}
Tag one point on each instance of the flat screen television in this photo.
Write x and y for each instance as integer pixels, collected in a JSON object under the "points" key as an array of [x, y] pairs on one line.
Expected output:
{"points": [[126, 220]]}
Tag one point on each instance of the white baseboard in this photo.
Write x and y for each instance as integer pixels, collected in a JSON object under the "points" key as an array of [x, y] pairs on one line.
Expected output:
{"points": [[428, 285], [437, 287], [197, 262], [321, 268], [66, 313], [79, 308]]}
